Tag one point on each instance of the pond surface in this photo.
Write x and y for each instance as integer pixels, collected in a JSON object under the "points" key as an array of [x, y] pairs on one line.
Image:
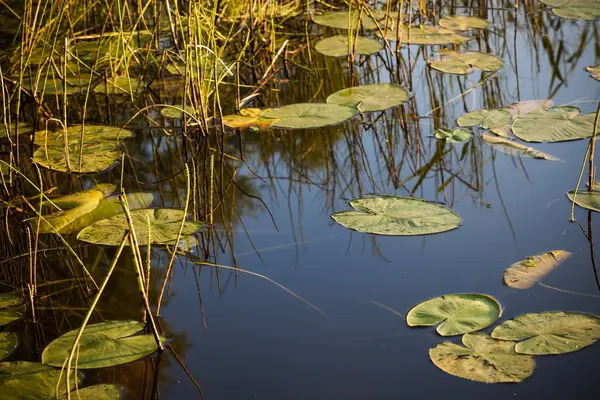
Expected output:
{"points": [[341, 334]]}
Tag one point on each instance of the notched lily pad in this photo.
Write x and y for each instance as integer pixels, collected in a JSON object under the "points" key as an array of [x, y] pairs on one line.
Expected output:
{"points": [[488, 119], [556, 124], [402, 216], [28, 380], [309, 115], [425, 35], [526, 273], [456, 313], [453, 62], [248, 118], [367, 98], [338, 46], [482, 359], [518, 109], [453, 136], [463, 22], [553, 332]]}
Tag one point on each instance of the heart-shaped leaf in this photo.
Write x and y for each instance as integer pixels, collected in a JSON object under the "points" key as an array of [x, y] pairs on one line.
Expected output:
{"points": [[309, 115], [28, 380], [525, 273], [456, 313], [553, 332], [518, 109], [453, 62], [338, 46], [555, 124], [453, 136], [366, 98], [488, 119], [403, 216], [463, 22]]}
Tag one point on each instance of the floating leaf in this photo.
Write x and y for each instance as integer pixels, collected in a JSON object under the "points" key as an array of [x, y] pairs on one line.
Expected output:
{"points": [[340, 19], [105, 344], [425, 35], [309, 115], [8, 317], [488, 119], [8, 344], [518, 109], [525, 273], [482, 359], [52, 85], [555, 124], [454, 136], [103, 391], [366, 98], [27, 380], [553, 332], [456, 313], [10, 300], [590, 200], [119, 85], [249, 117], [402, 216], [453, 62], [100, 148], [511, 147], [338, 46], [463, 22], [584, 10], [164, 227], [594, 71], [175, 112]]}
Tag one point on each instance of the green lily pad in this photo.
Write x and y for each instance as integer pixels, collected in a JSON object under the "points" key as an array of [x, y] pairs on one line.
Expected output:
{"points": [[513, 148], [52, 85], [103, 391], [463, 22], [425, 35], [309, 115], [482, 359], [583, 10], [402, 216], [8, 317], [338, 46], [100, 148], [101, 345], [248, 118], [526, 273], [555, 124], [341, 19], [164, 227], [175, 112], [366, 98], [518, 109], [452, 62], [119, 85], [28, 380], [590, 200], [553, 332], [10, 300], [594, 71], [488, 119], [8, 344], [456, 313], [454, 136]]}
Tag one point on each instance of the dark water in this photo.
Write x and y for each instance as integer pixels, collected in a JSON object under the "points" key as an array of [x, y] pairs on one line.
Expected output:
{"points": [[244, 337]]}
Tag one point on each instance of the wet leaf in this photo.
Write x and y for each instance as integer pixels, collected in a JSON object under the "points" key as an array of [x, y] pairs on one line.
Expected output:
{"points": [[425, 35], [590, 200], [403, 216], [463, 22], [453, 136], [100, 148], [482, 359], [584, 10], [338, 46], [8, 317], [366, 98], [453, 62], [518, 109], [526, 273], [120, 85], [8, 344], [164, 227], [309, 115], [105, 344], [27, 380], [52, 84], [175, 112], [10, 300], [594, 71], [555, 124], [456, 313], [340, 19], [513, 148], [553, 332], [103, 391], [488, 119]]}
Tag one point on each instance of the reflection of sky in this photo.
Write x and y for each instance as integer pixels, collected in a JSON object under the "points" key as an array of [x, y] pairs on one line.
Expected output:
{"points": [[263, 343]]}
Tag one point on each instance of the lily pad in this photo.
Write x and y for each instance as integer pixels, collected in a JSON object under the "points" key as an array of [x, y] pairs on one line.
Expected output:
{"points": [[456, 313], [513, 148], [103, 391], [309, 115], [463, 22], [119, 85], [402, 216], [53, 85], [164, 227], [453, 62], [101, 345], [425, 35], [482, 359], [553, 332], [338, 46], [590, 200], [518, 109], [341, 19], [366, 98], [175, 112], [556, 124], [594, 71], [248, 117], [583, 10], [454, 136], [8, 344], [526, 273], [488, 119], [10, 300], [28, 380], [100, 148]]}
